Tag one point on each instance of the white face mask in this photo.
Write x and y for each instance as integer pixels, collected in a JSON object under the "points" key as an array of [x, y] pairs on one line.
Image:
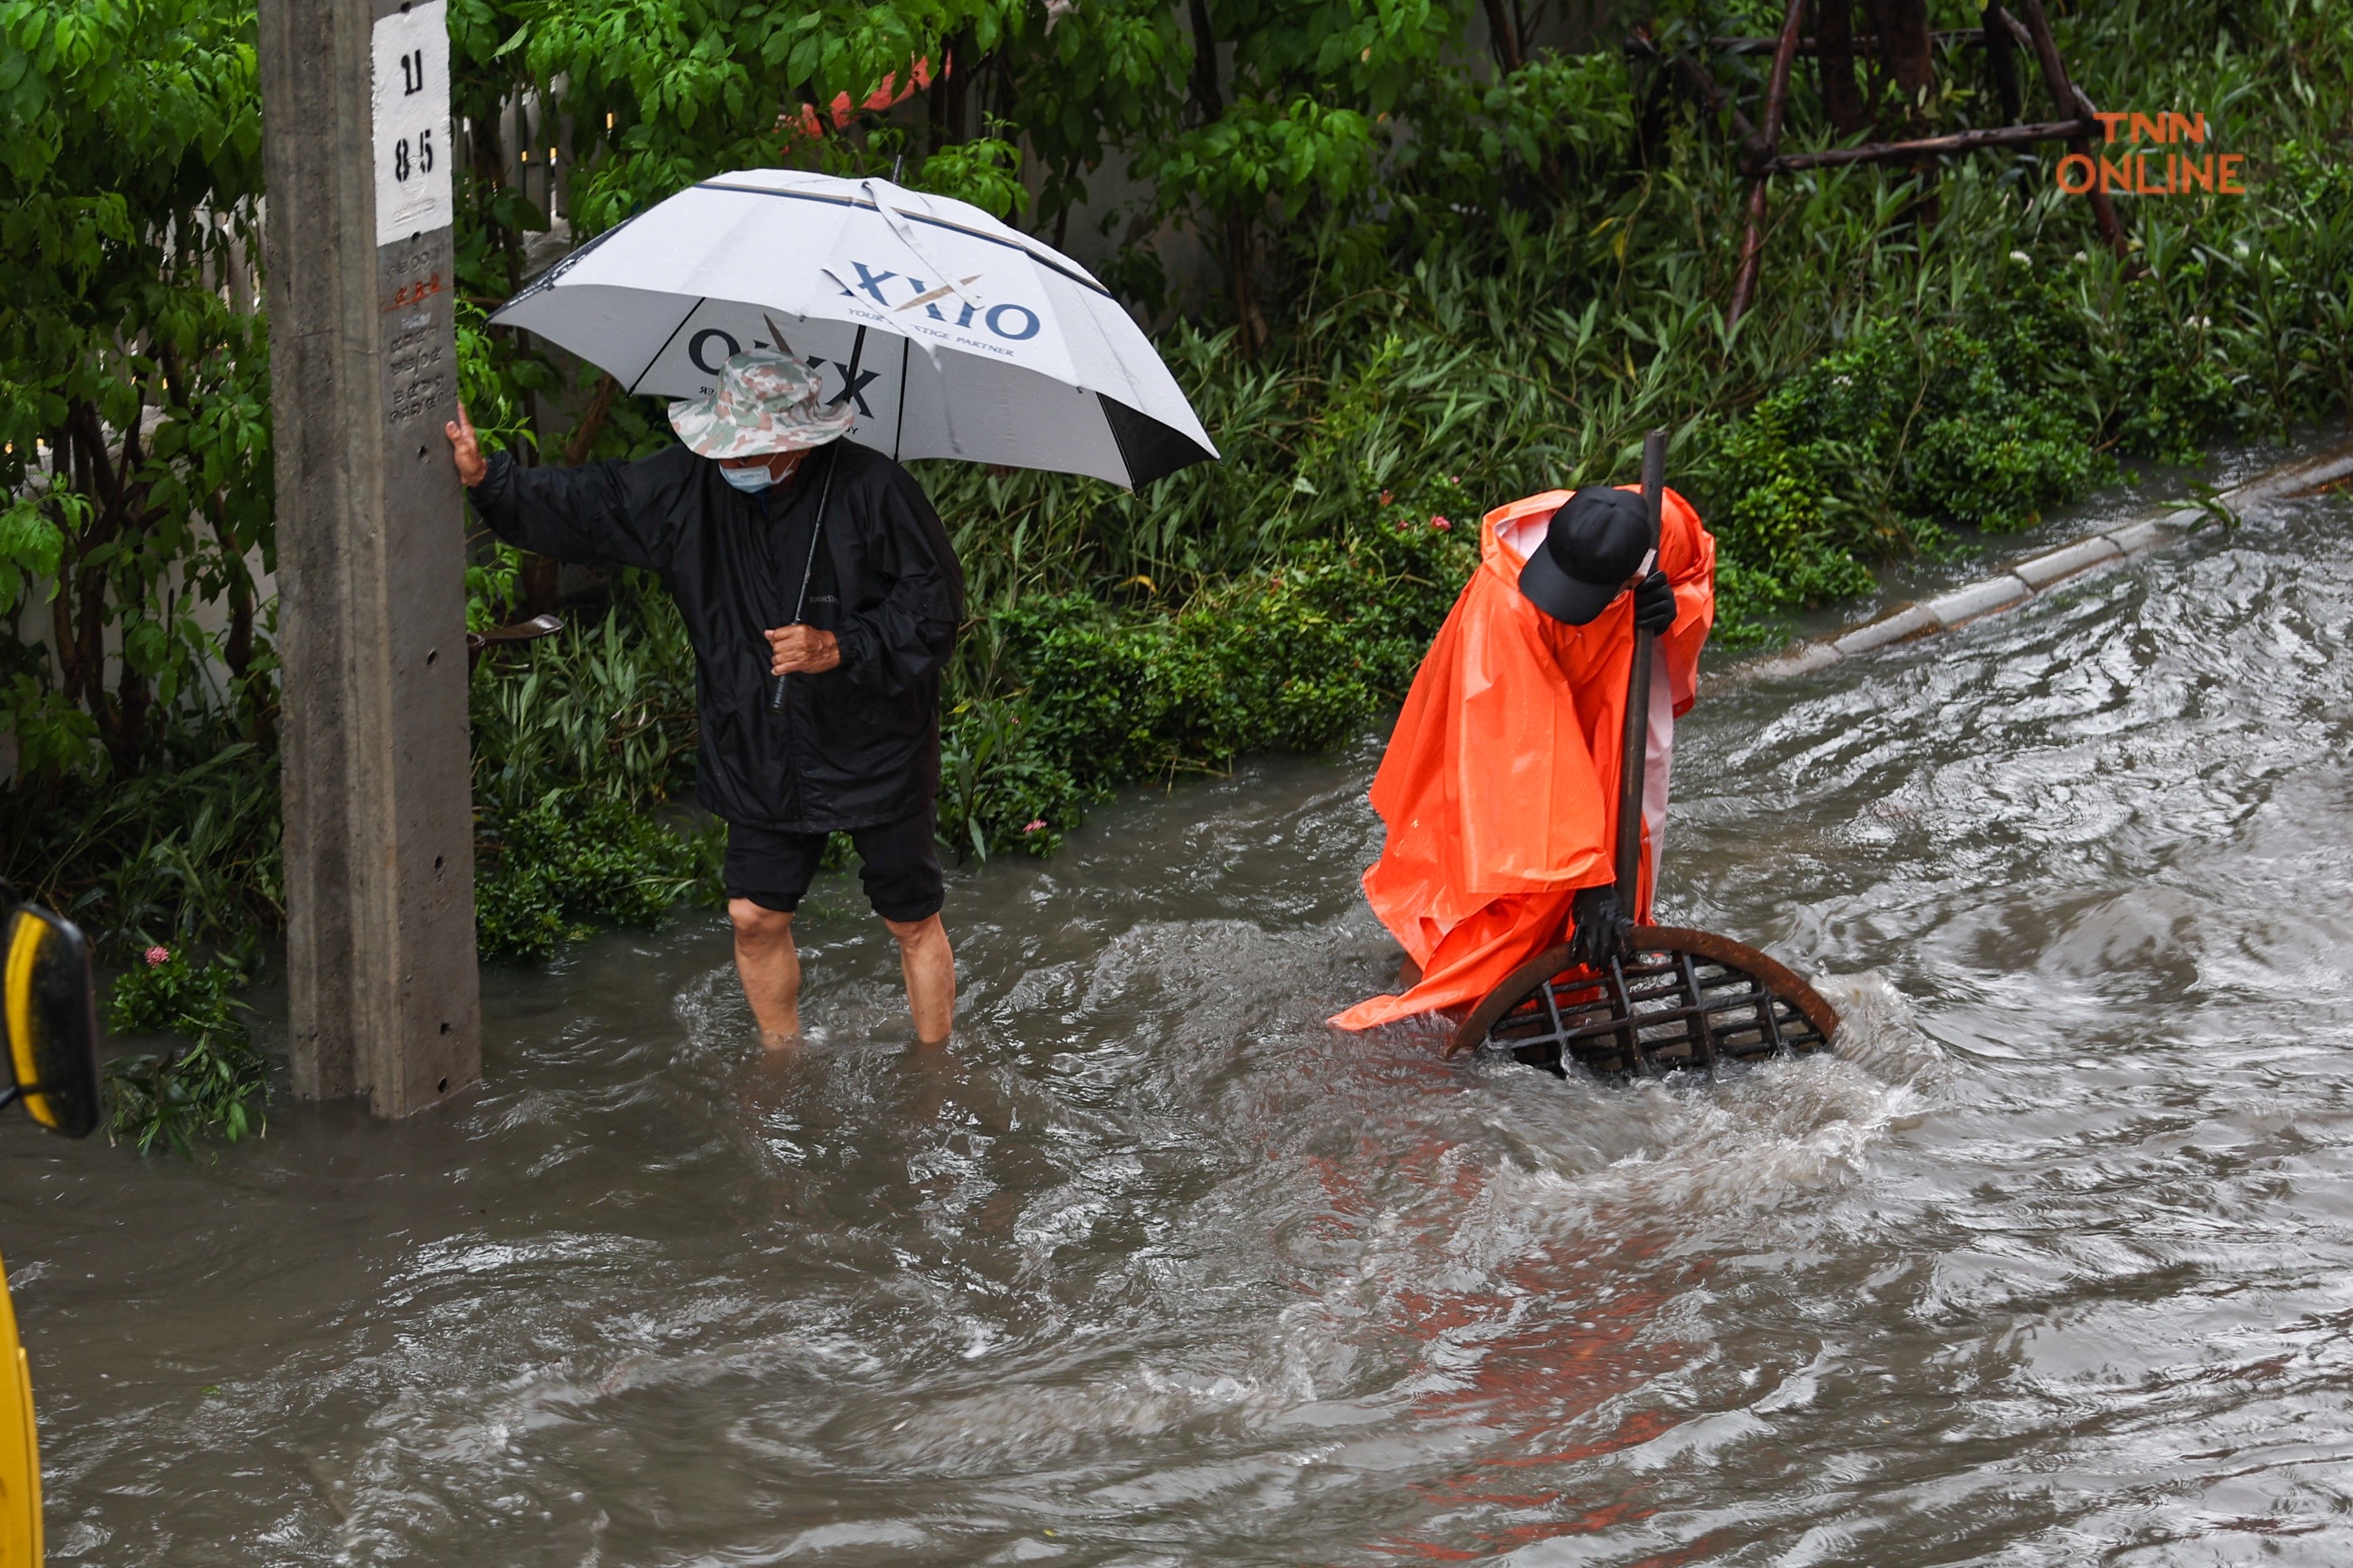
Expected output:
{"points": [[751, 480]]}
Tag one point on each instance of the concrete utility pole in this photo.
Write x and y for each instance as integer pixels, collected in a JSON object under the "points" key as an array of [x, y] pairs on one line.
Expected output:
{"points": [[371, 551]]}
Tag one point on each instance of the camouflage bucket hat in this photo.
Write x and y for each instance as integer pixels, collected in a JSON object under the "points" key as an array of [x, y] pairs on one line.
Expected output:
{"points": [[765, 402]]}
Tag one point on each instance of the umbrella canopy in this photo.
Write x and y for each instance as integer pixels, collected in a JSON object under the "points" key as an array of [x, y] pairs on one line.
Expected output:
{"points": [[954, 334]]}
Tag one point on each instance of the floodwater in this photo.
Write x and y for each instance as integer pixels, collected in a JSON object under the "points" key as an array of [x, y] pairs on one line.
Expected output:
{"points": [[2053, 1264]]}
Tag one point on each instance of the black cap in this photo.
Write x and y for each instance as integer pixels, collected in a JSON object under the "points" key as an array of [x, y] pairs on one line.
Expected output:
{"points": [[1597, 541]]}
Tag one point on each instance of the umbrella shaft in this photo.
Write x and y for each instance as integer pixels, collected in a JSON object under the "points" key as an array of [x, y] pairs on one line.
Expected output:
{"points": [[816, 533]]}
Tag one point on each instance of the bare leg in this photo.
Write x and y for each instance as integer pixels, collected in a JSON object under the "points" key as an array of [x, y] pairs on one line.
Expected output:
{"points": [[929, 966], [770, 968]]}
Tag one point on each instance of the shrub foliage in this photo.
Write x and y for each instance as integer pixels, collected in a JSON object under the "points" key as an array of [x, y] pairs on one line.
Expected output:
{"points": [[216, 1084]]}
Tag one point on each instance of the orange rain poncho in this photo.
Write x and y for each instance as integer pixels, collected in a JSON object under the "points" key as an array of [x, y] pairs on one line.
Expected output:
{"points": [[1500, 784]]}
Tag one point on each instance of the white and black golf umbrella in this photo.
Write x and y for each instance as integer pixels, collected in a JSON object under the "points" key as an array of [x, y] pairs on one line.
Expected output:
{"points": [[954, 334]]}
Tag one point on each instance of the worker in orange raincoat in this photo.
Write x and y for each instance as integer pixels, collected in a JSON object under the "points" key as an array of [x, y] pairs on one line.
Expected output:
{"points": [[1500, 784]]}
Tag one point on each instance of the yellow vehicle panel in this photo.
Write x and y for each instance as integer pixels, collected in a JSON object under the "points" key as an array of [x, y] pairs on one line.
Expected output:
{"points": [[20, 1457]]}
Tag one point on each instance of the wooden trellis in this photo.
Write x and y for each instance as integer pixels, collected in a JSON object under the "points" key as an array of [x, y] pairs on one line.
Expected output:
{"points": [[1904, 26]]}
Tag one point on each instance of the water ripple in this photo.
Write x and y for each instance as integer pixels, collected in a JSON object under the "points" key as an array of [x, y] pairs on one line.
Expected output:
{"points": [[2047, 1264]]}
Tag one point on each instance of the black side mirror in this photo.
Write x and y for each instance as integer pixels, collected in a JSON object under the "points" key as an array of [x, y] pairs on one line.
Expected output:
{"points": [[48, 1021]]}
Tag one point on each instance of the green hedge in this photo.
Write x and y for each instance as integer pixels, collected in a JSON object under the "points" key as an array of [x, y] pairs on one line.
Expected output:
{"points": [[1296, 658]]}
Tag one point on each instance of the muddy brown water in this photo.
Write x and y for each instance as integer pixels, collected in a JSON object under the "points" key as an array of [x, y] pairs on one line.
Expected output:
{"points": [[2053, 1264]]}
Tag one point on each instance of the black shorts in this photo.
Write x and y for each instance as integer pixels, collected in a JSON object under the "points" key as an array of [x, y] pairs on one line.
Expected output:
{"points": [[898, 862]]}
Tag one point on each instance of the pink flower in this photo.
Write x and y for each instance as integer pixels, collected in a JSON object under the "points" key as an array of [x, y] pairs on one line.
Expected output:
{"points": [[1440, 524], [1037, 827], [158, 956]]}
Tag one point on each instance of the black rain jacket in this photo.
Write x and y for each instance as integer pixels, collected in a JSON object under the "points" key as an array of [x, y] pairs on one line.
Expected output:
{"points": [[857, 746]]}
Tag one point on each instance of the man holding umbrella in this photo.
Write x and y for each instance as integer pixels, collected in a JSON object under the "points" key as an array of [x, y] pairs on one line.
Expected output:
{"points": [[822, 598], [819, 635]]}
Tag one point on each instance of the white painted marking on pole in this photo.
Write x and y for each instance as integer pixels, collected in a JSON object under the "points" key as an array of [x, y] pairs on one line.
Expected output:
{"points": [[411, 103]]}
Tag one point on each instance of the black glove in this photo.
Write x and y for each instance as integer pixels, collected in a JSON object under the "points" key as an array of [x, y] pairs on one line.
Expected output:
{"points": [[1601, 927], [1654, 602]]}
